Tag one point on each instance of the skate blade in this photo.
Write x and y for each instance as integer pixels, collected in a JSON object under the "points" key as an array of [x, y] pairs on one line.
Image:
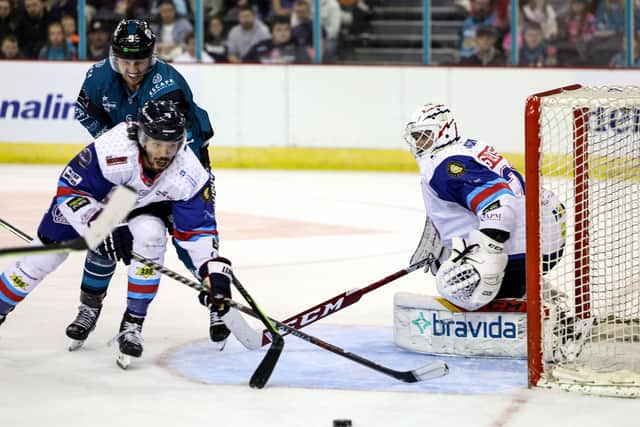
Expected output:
{"points": [[219, 345], [75, 344], [123, 360]]}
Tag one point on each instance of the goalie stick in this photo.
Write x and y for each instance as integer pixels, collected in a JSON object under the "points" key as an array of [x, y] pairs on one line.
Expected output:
{"points": [[115, 210], [433, 370], [235, 322]]}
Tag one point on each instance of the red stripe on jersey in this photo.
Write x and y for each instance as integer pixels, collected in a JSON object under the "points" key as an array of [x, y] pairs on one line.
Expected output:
{"points": [[4, 289], [484, 194], [142, 289], [66, 191], [186, 235]]}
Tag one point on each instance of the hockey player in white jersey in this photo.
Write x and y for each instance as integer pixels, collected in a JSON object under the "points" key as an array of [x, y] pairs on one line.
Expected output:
{"points": [[475, 199], [149, 156]]}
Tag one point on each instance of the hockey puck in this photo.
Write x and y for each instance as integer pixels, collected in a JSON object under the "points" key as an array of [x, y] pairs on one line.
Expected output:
{"points": [[341, 423]]}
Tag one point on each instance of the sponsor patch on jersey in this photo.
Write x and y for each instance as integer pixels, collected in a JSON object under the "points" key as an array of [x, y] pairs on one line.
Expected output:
{"points": [[83, 159], [492, 206], [188, 177], [157, 79], [206, 193], [455, 168], [145, 272], [18, 281], [71, 176], [112, 161], [77, 203]]}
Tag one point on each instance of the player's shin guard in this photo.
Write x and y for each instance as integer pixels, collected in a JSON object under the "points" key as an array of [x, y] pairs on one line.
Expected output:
{"points": [[97, 273]]}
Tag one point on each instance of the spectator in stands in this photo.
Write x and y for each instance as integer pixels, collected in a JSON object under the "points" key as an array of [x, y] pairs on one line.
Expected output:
{"points": [[535, 51], [486, 52], [248, 32], [98, 45], [302, 32], [9, 48], [56, 9], [281, 7], [189, 52], [232, 10], [579, 29], [32, 28], [330, 19], [610, 16], [280, 49], [7, 21], [70, 32], [215, 41], [541, 12], [481, 16], [619, 60], [356, 16], [172, 30], [57, 47]]}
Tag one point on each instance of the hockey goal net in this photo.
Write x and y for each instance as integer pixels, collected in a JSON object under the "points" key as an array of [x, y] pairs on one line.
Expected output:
{"points": [[583, 143]]}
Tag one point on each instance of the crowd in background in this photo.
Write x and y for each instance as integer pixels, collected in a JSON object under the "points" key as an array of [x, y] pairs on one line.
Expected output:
{"points": [[552, 32], [561, 32]]}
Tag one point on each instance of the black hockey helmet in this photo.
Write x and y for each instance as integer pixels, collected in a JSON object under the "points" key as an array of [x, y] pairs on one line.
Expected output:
{"points": [[161, 120], [133, 39]]}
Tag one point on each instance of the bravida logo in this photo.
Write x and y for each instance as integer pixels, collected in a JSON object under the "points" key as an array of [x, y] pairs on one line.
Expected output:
{"points": [[52, 107], [497, 329]]}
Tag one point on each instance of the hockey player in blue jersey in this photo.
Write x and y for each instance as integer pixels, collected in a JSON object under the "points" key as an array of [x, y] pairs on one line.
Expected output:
{"points": [[113, 91], [475, 199], [150, 157]]}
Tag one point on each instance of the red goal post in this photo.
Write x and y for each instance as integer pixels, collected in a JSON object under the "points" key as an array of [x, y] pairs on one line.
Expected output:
{"points": [[583, 143]]}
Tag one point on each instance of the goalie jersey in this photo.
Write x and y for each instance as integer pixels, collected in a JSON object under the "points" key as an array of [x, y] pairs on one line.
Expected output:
{"points": [[114, 159], [469, 185]]}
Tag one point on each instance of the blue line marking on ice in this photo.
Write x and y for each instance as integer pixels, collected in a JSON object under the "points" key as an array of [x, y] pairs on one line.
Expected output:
{"points": [[308, 366]]}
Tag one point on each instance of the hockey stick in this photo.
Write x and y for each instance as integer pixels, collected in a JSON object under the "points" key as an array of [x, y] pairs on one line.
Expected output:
{"points": [[432, 370], [120, 203], [236, 323], [339, 302]]}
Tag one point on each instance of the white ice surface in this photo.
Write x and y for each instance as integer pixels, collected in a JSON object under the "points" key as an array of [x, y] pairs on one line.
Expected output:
{"points": [[295, 238]]}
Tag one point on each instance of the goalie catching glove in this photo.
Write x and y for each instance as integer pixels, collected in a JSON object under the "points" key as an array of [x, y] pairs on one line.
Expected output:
{"points": [[472, 275]]}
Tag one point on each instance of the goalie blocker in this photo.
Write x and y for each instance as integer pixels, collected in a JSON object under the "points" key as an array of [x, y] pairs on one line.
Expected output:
{"points": [[428, 324]]}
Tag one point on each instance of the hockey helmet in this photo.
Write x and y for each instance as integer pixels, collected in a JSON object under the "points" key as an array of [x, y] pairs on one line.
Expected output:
{"points": [[161, 121], [431, 127], [133, 39]]}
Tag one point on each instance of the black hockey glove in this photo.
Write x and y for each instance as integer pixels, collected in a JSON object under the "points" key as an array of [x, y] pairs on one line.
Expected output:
{"points": [[118, 245], [216, 275]]}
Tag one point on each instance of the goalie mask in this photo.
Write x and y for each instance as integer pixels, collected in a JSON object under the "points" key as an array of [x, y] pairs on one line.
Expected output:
{"points": [[431, 127]]}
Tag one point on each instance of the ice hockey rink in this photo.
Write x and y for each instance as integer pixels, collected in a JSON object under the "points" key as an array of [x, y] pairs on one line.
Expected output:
{"points": [[295, 239]]}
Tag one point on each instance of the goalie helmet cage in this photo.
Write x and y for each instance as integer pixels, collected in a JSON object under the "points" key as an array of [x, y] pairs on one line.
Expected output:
{"points": [[583, 143]]}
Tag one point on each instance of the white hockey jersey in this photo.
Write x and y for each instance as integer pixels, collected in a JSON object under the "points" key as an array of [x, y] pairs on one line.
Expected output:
{"points": [[469, 185], [113, 159]]}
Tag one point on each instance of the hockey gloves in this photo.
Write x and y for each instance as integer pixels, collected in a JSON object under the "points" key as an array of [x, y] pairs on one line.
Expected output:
{"points": [[118, 245], [216, 274]]}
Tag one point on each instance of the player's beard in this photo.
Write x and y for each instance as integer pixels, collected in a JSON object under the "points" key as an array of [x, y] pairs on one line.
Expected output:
{"points": [[158, 164]]}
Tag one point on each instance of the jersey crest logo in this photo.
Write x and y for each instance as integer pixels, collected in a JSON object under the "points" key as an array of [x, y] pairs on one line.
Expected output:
{"points": [[157, 78], [455, 168]]}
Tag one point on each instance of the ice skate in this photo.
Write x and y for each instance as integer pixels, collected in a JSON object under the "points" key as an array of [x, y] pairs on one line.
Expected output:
{"points": [[82, 325], [129, 339], [218, 331]]}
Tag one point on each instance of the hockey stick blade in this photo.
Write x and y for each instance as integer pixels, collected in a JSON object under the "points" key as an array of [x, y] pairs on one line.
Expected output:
{"points": [[341, 301], [430, 371], [114, 211], [265, 368]]}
